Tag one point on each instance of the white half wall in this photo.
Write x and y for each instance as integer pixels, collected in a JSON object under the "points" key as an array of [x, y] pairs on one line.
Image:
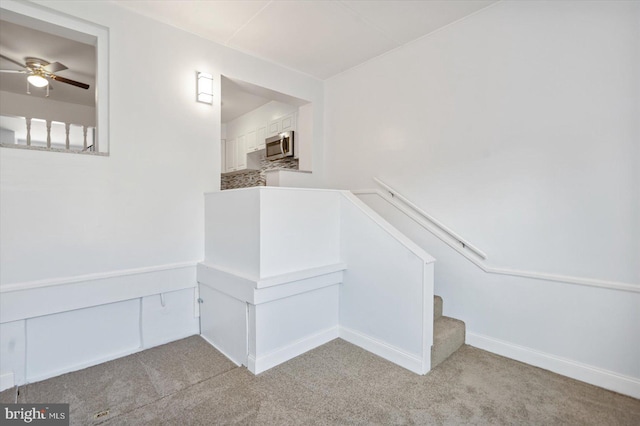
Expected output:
{"points": [[386, 300], [232, 231], [588, 333], [299, 229], [262, 232], [61, 333]]}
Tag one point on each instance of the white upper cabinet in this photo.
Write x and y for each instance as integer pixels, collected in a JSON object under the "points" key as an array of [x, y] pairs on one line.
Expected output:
{"points": [[261, 135], [230, 155], [235, 154], [288, 122], [241, 153], [255, 139], [274, 127], [252, 141]]}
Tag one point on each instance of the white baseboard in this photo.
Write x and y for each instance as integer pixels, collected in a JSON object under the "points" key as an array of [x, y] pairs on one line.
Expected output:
{"points": [[265, 362], [235, 361], [384, 350], [586, 373], [6, 381]]}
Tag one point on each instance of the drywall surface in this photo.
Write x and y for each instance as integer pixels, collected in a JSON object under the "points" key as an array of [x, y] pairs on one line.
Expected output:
{"points": [[64, 215], [260, 116], [517, 127], [299, 229], [383, 293], [67, 217], [23, 105]]}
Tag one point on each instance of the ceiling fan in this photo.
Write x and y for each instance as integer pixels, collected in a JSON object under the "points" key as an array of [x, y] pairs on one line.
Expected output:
{"points": [[40, 72]]}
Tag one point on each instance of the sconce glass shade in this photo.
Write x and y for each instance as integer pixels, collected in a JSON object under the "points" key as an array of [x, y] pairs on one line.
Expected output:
{"points": [[205, 88], [37, 80]]}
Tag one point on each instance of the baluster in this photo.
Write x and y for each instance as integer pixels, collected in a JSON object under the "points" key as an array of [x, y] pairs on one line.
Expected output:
{"points": [[67, 128], [48, 134], [94, 139], [84, 143], [28, 121]]}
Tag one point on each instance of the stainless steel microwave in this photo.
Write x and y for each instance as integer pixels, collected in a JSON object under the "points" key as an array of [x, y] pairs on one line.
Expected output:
{"points": [[280, 146]]}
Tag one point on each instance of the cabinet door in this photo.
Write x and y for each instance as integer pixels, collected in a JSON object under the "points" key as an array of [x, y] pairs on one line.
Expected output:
{"points": [[261, 136], [224, 323], [252, 141], [274, 127], [223, 155], [241, 152], [230, 155], [288, 123]]}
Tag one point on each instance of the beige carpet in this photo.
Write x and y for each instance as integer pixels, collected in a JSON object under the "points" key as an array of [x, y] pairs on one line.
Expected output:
{"points": [[190, 383]]}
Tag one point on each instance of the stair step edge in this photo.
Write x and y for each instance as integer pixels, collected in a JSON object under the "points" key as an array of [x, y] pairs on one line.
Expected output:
{"points": [[437, 307]]}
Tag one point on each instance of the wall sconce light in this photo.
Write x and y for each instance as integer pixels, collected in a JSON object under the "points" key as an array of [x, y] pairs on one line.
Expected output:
{"points": [[204, 88]]}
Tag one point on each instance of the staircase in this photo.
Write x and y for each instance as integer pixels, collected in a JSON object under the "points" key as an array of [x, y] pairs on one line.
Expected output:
{"points": [[448, 334]]}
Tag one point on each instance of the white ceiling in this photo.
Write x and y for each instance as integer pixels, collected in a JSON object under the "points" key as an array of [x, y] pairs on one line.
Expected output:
{"points": [[240, 97], [319, 38], [18, 42]]}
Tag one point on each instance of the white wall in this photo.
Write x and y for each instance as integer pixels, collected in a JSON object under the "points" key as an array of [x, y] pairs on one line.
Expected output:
{"points": [[64, 216], [232, 231], [518, 128], [260, 116], [23, 105], [263, 232], [143, 205], [304, 137], [386, 300], [299, 229]]}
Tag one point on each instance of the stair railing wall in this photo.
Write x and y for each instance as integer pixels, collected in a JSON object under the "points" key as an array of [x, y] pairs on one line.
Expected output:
{"points": [[20, 132], [473, 254]]}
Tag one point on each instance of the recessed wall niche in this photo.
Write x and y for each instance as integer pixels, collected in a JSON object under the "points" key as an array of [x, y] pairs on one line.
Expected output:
{"points": [[70, 112]]}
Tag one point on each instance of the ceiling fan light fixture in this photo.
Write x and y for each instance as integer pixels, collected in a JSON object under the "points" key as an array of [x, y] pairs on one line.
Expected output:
{"points": [[37, 80]]}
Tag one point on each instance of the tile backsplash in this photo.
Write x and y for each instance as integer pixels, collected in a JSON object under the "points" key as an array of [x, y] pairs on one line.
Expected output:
{"points": [[251, 178]]}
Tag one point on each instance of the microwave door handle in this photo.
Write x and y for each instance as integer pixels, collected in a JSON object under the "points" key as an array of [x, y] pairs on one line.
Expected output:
{"points": [[283, 146]]}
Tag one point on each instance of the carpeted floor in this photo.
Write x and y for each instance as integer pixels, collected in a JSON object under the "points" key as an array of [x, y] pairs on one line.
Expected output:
{"points": [[189, 383]]}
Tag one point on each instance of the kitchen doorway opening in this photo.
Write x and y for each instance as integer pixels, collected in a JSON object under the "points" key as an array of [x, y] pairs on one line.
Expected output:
{"points": [[251, 114]]}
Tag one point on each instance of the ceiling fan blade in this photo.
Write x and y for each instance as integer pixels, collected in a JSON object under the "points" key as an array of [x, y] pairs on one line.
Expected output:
{"points": [[54, 67], [68, 81], [13, 61], [14, 71]]}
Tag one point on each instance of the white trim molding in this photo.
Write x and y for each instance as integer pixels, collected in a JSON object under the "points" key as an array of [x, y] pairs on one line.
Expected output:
{"points": [[44, 297], [277, 357], [7, 380], [26, 285], [586, 373], [384, 350]]}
